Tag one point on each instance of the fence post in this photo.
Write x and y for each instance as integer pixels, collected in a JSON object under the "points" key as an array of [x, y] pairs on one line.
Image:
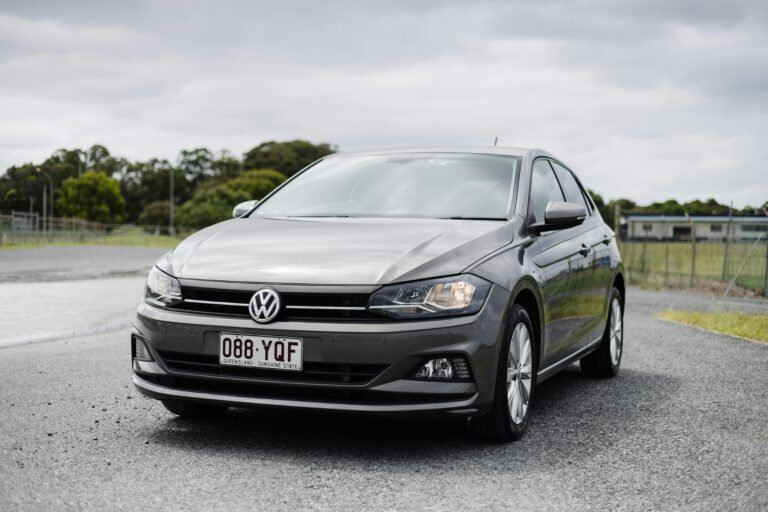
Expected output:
{"points": [[727, 240], [693, 252], [765, 286]]}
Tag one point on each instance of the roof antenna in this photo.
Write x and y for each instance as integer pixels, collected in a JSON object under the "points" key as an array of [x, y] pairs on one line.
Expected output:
{"points": [[496, 140]]}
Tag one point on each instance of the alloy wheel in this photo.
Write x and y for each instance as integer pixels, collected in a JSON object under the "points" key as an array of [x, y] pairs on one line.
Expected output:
{"points": [[519, 373], [616, 332]]}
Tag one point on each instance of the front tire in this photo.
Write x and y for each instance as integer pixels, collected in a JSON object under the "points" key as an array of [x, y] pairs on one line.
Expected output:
{"points": [[508, 417], [604, 362], [193, 409]]}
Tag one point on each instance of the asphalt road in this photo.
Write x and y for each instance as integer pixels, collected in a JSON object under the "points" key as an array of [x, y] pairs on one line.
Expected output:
{"points": [[683, 427]]}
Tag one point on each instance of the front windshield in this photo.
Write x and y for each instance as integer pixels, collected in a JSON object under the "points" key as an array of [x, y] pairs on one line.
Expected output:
{"points": [[435, 185]]}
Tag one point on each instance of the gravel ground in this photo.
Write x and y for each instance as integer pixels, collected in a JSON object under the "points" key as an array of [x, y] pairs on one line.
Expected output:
{"points": [[683, 427]]}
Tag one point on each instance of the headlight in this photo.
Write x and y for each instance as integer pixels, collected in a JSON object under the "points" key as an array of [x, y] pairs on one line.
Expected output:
{"points": [[450, 296], [161, 289]]}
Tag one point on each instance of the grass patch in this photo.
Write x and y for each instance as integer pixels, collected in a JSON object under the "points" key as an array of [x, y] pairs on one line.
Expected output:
{"points": [[122, 236], [670, 262], [753, 327]]}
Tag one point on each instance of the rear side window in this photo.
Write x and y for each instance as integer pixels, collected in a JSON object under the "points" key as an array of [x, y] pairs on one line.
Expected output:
{"points": [[573, 192], [544, 188]]}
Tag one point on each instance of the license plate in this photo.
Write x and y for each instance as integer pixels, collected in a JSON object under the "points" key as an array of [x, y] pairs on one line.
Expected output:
{"points": [[260, 351]]}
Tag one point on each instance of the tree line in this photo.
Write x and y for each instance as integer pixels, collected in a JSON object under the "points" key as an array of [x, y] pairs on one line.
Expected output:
{"points": [[97, 186], [671, 207]]}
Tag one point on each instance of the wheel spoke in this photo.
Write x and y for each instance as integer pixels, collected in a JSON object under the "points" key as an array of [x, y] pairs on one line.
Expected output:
{"points": [[514, 347], [526, 357], [523, 392], [521, 404], [515, 399]]}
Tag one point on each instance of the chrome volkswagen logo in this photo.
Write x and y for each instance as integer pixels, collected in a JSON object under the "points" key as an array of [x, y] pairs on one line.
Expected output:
{"points": [[264, 305]]}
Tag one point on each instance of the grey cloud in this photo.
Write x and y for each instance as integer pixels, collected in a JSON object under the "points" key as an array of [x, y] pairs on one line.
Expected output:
{"points": [[636, 95]]}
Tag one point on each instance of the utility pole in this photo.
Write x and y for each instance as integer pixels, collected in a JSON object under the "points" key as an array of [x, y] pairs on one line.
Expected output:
{"points": [[45, 211], [50, 182], [170, 212], [79, 164]]}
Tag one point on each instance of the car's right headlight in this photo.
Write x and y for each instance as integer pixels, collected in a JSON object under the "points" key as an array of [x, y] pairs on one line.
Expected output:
{"points": [[161, 289]]}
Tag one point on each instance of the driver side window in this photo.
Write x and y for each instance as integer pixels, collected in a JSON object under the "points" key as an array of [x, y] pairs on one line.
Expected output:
{"points": [[544, 188]]}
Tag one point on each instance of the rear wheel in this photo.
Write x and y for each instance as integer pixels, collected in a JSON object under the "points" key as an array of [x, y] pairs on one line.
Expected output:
{"points": [[193, 409], [604, 362], [508, 417]]}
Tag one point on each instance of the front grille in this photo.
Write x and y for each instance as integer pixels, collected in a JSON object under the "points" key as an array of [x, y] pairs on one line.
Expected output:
{"points": [[330, 373], [296, 307], [335, 395]]}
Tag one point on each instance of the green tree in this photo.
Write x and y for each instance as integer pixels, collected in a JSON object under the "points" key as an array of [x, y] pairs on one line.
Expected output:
{"points": [[94, 197], [285, 157], [196, 164], [147, 182], [227, 166], [155, 214], [213, 204]]}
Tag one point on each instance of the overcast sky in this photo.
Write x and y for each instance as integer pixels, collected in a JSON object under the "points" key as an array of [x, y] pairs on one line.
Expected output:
{"points": [[649, 100]]}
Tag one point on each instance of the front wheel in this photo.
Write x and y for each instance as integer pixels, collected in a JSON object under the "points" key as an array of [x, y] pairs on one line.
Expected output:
{"points": [[508, 417], [604, 362]]}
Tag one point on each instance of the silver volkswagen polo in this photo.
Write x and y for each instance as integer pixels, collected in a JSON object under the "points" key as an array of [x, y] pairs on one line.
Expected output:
{"points": [[422, 282]]}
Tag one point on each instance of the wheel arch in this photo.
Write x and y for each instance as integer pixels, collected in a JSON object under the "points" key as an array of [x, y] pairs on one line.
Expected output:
{"points": [[619, 284]]}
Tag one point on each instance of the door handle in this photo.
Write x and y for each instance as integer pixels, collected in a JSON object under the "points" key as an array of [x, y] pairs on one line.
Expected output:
{"points": [[584, 251], [606, 240]]}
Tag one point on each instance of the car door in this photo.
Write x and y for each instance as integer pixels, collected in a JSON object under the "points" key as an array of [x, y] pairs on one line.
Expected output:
{"points": [[563, 263], [588, 291]]}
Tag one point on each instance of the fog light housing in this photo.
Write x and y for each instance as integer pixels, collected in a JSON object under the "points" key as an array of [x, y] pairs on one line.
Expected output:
{"points": [[140, 350], [444, 368]]}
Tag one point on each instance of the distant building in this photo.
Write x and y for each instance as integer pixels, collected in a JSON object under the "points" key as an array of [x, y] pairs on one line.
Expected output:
{"points": [[678, 227]]}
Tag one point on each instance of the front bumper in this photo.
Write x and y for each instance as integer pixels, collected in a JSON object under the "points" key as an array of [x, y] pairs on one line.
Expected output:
{"points": [[395, 347]]}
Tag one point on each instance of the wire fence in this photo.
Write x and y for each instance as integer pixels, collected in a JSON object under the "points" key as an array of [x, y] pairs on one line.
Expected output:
{"points": [[21, 229], [724, 266]]}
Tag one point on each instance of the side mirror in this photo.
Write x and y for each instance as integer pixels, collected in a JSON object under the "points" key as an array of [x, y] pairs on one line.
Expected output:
{"points": [[243, 208], [560, 215]]}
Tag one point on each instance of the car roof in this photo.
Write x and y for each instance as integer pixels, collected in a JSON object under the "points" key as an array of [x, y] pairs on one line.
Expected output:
{"points": [[480, 150]]}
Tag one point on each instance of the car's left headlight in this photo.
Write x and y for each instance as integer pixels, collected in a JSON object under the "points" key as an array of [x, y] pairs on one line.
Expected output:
{"points": [[161, 289], [450, 296]]}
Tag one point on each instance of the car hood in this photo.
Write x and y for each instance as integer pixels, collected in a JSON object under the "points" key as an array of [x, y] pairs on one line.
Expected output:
{"points": [[339, 251]]}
